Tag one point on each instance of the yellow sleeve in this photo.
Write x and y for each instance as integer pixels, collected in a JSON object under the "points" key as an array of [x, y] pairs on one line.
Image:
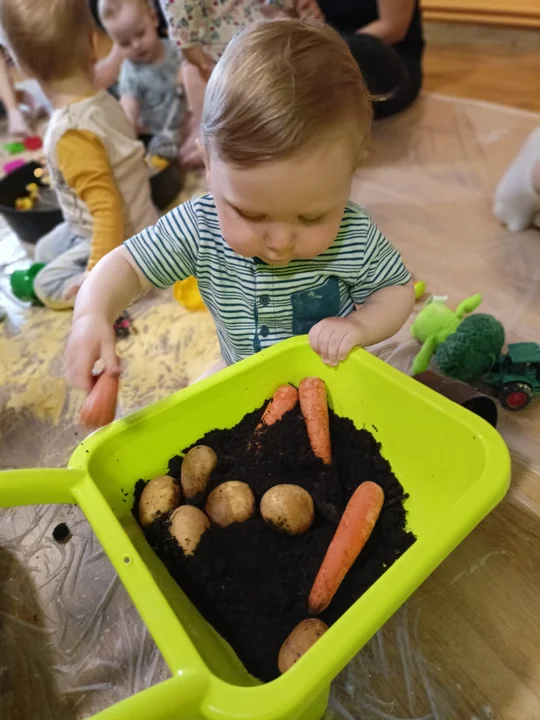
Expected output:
{"points": [[84, 164]]}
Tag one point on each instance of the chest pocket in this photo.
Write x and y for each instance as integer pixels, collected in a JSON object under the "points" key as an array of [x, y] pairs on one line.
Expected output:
{"points": [[311, 306]]}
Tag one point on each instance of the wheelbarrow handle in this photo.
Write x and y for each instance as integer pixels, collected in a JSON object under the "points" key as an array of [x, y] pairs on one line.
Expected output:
{"points": [[179, 697], [38, 486]]}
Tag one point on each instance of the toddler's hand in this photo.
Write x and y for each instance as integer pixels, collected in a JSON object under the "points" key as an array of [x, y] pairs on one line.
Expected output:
{"points": [[334, 338], [92, 338]]}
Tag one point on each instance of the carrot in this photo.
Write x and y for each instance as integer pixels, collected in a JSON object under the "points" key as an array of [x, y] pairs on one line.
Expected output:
{"points": [[314, 406], [284, 399], [353, 531], [99, 408]]}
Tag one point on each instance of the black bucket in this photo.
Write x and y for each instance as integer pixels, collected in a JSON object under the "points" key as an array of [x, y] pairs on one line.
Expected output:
{"points": [[167, 183], [31, 225], [28, 225]]}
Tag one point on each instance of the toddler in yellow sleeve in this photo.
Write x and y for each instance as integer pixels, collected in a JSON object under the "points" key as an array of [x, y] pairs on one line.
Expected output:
{"points": [[96, 162]]}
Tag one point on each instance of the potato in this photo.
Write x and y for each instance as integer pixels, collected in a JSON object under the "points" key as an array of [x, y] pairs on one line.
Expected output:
{"points": [[288, 508], [230, 502], [160, 495], [304, 635], [188, 523], [197, 467]]}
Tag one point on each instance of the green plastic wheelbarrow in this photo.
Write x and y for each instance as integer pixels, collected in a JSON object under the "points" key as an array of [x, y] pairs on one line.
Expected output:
{"points": [[455, 466]]}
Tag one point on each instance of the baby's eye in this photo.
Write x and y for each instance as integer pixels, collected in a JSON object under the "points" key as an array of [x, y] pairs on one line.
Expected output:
{"points": [[248, 216], [311, 220]]}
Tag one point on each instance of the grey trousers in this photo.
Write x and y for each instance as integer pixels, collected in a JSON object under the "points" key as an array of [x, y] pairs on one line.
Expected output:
{"points": [[66, 256]]}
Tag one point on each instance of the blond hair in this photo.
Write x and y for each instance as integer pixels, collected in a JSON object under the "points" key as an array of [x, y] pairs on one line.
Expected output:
{"points": [[108, 9], [280, 86], [49, 38]]}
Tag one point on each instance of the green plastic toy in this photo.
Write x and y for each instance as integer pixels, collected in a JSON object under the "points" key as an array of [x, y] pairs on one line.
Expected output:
{"points": [[14, 148], [435, 323]]}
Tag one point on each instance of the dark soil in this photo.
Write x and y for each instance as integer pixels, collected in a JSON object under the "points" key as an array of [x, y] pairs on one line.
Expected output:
{"points": [[251, 582]]}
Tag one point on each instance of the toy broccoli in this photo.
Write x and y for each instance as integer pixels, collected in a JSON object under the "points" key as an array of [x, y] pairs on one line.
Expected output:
{"points": [[464, 349], [472, 349], [436, 322]]}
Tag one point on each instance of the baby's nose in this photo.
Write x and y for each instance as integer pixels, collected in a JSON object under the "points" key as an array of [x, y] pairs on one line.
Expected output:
{"points": [[279, 239]]}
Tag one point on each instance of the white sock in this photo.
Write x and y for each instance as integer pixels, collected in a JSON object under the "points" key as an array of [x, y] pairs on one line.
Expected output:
{"points": [[516, 201]]}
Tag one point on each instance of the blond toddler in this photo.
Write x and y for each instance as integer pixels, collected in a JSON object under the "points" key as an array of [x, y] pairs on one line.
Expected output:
{"points": [[276, 247], [96, 163]]}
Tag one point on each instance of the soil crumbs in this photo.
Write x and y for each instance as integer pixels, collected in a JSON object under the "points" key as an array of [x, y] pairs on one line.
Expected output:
{"points": [[251, 582]]}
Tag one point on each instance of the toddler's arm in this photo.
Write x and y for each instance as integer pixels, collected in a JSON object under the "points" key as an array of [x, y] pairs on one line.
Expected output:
{"points": [[84, 164], [380, 317], [109, 289], [130, 105], [107, 70], [381, 289]]}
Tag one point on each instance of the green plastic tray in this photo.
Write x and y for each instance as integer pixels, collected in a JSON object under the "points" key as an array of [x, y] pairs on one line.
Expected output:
{"points": [[455, 466]]}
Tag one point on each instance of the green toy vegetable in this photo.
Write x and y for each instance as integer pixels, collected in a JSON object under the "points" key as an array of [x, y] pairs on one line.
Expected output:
{"points": [[435, 323], [472, 350]]}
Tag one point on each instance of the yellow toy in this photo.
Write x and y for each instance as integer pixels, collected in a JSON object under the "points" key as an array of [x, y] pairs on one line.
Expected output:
{"points": [[187, 294], [419, 289]]}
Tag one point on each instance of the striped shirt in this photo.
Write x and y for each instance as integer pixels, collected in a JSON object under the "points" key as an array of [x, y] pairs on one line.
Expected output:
{"points": [[256, 305]]}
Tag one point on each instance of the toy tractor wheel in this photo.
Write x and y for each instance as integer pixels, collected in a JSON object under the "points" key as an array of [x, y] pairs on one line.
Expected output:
{"points": [[515, 396]]}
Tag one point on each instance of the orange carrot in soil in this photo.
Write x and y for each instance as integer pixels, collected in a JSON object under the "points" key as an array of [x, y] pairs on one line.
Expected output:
{"points": [[353, 531], [283, 400], [314, 406], [99, 408]]}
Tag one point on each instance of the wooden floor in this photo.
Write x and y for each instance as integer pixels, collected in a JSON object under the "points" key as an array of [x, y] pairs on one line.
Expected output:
{"points": [[466, 646], [484, 64]]}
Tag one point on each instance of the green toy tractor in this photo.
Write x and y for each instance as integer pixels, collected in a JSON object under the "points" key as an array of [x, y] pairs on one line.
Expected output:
{"points": [[516, 375]]}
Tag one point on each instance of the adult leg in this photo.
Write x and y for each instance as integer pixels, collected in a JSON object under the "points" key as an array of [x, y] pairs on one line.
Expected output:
{"points": [[394, 79], [54, 281], [195, 88]]}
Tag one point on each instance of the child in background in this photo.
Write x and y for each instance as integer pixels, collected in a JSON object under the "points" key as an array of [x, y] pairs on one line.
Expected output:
{"points": [[96, 163], [202, 30], [276, 247], [150, 73]]}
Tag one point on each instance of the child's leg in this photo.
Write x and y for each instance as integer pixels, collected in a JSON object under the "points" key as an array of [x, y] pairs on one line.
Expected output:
{"points": [[59, 276], [517, 198], [195, 88], [56, 242]]}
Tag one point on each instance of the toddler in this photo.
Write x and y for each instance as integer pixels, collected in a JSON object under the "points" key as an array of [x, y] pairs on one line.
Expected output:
{"points": [[276, 247], [150, 73], [96, 163]]}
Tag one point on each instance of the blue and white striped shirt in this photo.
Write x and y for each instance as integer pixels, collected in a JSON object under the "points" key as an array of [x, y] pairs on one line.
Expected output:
{"points": [[256, 305]]}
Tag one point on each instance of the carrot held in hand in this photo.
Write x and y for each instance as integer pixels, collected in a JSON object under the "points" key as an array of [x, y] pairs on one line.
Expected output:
{"points": [[99, 408], [314, 406], [352, 533], [284, 399]]}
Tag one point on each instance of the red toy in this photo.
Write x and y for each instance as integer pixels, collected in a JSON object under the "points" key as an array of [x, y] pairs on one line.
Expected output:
{"points": [[33, 143]]}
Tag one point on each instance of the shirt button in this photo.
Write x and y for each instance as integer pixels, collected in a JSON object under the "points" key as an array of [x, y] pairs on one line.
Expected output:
{"points": [[265, 300], [264, 331]]}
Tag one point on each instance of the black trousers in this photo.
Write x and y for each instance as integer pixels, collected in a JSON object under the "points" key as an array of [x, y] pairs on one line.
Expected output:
{"points": [[393, 78]]}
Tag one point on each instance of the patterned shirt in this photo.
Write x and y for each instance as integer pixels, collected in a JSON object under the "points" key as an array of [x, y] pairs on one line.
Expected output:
{"points": [[256, 305], [155, 87], [215, 22]]}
